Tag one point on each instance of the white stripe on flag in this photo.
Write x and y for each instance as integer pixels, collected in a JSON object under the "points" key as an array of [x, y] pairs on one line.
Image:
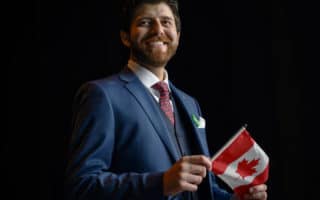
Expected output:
{"points": [[233, 179]]}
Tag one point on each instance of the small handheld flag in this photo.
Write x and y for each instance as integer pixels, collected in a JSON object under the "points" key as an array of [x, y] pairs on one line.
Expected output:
{"points": [[241, 163]]}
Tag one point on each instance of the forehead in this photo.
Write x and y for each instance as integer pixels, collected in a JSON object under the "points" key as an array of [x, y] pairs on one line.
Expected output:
{"points": [[153, 10]]}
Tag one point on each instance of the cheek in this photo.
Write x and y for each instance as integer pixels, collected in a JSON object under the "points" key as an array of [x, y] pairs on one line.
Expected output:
{"points": [[137, 35], [136, 39], [173, 36]]}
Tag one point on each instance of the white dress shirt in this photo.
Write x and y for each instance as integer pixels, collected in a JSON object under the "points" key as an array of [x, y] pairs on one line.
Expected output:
{"points": [[148, 78]]}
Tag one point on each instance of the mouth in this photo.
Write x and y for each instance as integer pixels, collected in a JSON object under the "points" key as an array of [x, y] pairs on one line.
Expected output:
{"points": [[157, 43]]}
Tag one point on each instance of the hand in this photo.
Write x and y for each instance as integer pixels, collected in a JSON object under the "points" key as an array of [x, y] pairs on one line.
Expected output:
{"points": [[258, 192], [186, 174]]}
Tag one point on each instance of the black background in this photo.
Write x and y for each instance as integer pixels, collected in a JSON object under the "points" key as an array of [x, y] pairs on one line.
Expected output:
{"points": [[251, 62]]}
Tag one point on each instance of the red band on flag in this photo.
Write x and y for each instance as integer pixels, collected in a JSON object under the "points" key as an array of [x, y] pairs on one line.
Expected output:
{"points": [[233, 152]]}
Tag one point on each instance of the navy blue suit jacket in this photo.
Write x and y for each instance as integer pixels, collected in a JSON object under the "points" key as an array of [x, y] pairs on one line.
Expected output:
{"points": [[120, 146]]}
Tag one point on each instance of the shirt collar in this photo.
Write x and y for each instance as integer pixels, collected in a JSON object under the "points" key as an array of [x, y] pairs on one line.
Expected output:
{"points": [[146, 76]]}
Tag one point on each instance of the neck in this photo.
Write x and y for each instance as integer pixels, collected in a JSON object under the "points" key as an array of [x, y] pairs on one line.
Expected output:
{"points": [[156, 70], [159, 72]]}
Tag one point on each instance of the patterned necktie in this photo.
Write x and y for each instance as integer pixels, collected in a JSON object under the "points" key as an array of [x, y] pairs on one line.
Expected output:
{"points": [[164, 99]]}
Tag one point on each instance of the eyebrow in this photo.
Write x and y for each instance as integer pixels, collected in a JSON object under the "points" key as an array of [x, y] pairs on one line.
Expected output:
{"points": [[150, 17], [167, 18]]}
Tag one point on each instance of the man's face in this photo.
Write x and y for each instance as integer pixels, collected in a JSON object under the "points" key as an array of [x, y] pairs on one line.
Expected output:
{"points": [[153, 36]]}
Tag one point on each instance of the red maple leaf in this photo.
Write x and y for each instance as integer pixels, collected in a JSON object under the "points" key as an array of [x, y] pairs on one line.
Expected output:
{"points": [[246, 168]]}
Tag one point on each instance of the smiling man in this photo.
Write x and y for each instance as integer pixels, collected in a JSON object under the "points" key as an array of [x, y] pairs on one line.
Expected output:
{"points": [[153, 37], [134, 134]]}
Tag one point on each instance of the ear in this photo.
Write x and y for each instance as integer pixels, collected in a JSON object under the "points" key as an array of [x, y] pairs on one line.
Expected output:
{"points": [[125, 38], [178, 36]]}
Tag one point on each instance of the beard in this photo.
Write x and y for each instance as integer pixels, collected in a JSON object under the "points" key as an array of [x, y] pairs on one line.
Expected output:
{"points": [[154, 57]]}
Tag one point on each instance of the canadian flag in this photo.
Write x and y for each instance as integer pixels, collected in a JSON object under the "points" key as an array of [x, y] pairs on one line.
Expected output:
{"points": [[241, 163]]}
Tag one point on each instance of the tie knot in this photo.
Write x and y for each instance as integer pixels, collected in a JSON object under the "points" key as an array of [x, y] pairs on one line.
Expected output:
{"points": [[161, 87]]}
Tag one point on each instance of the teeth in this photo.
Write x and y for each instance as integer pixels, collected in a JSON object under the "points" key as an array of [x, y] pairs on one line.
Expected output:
{"points": [[156, 43]]}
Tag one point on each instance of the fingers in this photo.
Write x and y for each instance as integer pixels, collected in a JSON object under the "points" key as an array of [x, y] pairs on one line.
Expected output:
{"points": [[193, 179], [185, 186], [198, 160], [194, 169], [256, 196], [257, 188], [186, 174], [258, 192]]}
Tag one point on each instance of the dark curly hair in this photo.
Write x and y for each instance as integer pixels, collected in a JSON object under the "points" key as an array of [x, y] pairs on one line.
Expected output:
{"points": [[128, 8]]}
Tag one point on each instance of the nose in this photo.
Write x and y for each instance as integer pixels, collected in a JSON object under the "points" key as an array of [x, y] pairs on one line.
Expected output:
{"points": [[157, 28]]}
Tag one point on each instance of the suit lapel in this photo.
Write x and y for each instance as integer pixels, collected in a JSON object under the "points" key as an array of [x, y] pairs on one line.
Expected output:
{"points": [[190, 109], [146, 101]]}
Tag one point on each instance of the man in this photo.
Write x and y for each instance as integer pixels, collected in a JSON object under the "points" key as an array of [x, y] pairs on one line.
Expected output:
{"points": [[133, 133]]}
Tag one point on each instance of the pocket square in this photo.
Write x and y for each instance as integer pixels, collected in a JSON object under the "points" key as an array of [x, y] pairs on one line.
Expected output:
{"points": [[199, 121]]}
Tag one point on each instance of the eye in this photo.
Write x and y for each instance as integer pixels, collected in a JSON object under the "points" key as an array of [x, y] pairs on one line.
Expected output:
{"points": [[167, 22], [144, 22]]}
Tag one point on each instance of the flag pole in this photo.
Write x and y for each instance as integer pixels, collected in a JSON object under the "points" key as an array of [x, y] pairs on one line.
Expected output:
{"points": [[245, 126], [229, 141]]}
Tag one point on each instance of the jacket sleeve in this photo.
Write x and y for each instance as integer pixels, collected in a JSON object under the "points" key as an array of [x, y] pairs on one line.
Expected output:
{"points": [[88, 174]]}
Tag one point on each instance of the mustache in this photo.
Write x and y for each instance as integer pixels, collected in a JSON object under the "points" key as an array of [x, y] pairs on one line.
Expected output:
{"points": [[157, 38]]}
